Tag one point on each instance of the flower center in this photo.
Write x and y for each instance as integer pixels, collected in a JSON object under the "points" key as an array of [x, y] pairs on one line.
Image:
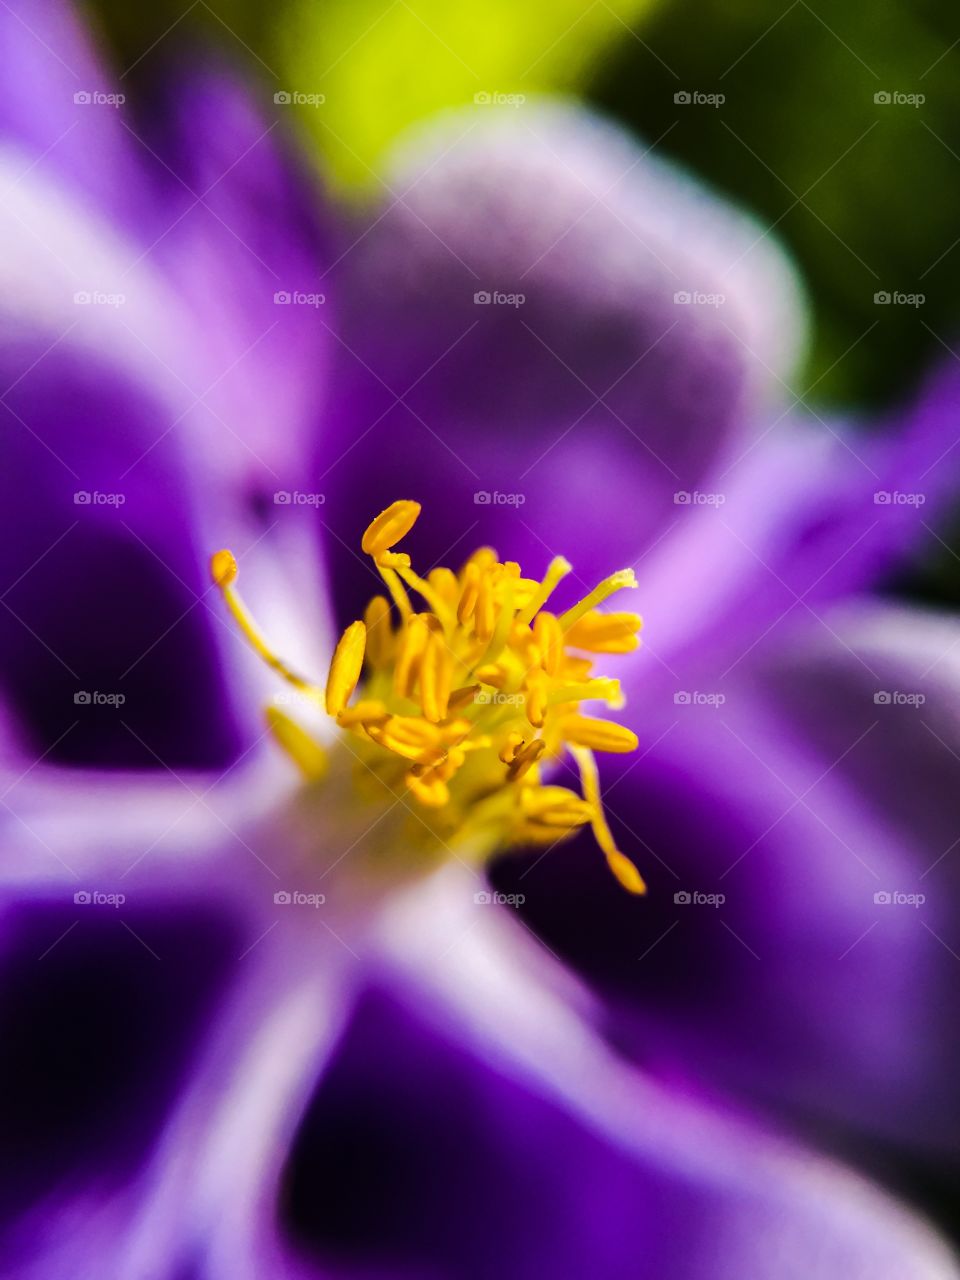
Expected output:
{"points": [[468, 700]]}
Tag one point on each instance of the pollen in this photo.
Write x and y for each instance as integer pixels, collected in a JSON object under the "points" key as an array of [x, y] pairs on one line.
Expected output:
{"points": [[463, 693]]}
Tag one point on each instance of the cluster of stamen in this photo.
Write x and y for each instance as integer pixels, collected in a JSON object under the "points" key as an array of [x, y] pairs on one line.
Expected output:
{"points": [[469, 699]]}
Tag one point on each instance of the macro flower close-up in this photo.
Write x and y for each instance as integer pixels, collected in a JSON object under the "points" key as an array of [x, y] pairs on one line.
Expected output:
{"points": [[480, 704]]}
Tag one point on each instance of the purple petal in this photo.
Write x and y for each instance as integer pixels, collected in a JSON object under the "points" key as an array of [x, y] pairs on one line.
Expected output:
{"points": [[240, 232], [797, 800], [101, 572], [121, 996], [54, 107], [598, 378]]}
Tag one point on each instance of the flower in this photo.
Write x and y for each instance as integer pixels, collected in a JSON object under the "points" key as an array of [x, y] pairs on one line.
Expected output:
{"points": [[280, 1065]]}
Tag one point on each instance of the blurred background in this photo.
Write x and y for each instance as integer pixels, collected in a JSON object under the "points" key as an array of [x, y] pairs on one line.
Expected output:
{"points": [[839, 130]]}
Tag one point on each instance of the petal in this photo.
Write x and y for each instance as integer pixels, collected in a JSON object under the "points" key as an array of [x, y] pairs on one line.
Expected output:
{"points": [[122, 996], [110, 488], [240, 232], [58, 107], [598, 365], [788, 807], [742, 1196]]}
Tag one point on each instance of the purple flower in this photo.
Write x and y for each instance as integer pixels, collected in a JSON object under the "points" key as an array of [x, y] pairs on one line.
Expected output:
{"points": [[251, 1034]]}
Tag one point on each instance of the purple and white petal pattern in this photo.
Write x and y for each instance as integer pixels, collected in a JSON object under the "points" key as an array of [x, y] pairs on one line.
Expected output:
{"points": [[599, 377]]}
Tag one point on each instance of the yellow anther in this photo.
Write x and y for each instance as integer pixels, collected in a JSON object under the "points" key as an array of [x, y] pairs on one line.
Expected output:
{"points": [[620, 581], [598, 735], [413, 642], [511, 745], [618, 862], [366, 712], [390, 527], [223, 571], [605, 632], [428, 788], [537, 688], [485, 613], [557, 570], [410, 737], [555, 807], [376, 618], [468, 594], [482, 558], [493, 674], [345, 668], [548, 635], [626, 872], [601, 690], [444, 583], [524, 759], [436, 675], [223, 568], [462, 697], [303, 749]]}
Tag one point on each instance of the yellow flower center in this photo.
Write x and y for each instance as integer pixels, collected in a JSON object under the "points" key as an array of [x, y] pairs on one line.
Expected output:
{"points": [[467, 701]]}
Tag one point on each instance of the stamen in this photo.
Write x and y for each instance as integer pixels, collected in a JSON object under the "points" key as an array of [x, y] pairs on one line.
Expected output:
{"points": [[436, 674], [618, 862], [302, 748], [413, 642], [390, 527], [619, 581], [224, 572], [345, 668], [376, 618], [524, 759], [557, 569], [598, 735], [483, 629], [605, 632]]}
